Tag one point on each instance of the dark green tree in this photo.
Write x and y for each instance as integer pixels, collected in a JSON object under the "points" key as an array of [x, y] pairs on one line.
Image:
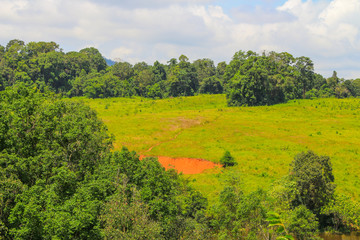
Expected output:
{"points": [[143, 80], [333, 81], [75, 62], [314, 181], [159, 72], [180, 82], [220, 69], [227, 160], [14, 53], [97, 61], [123, 70], [303, 224], [172, 62], [239, 215], [233, 67], [126, 216], [53, 71], [170, 201], [343, 213], [49, 149], [211, 85], [34, 49], [319, 81], [305, 74], [356, 85], [349, 85], [248, 86], [205, 68]]}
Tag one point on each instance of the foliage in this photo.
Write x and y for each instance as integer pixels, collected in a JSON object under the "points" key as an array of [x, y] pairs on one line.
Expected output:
{"points": [[170, 201], [182, 80], [211, 85], [275, 221], [249, 79], [49, 149], [59, 179], [127, 217], [314, 181], [239, 215], [268, 79], [343, 213], [303, 224], [227, 160]]}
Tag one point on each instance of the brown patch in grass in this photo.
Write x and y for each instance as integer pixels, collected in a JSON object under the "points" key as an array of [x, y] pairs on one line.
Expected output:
{"points": [[183, 123]]}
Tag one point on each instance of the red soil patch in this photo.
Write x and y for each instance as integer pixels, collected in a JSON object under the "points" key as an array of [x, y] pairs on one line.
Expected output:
{"points": [[186, 165]]}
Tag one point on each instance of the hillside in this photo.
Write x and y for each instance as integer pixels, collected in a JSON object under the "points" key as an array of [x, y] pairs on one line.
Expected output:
{"points": [[263, 140]]}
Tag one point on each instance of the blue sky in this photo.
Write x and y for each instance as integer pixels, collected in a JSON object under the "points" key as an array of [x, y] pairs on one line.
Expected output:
{"points": [[327, 31], [227, 5]]}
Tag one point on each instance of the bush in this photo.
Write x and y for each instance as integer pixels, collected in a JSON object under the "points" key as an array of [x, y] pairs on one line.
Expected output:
{"points": [[227, 160], [303, 224], [314, 181]]}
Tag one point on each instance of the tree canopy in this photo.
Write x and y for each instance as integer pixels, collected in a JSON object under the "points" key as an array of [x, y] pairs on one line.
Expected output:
{"points": [[249, 78], [314, 180], [59, 179]]}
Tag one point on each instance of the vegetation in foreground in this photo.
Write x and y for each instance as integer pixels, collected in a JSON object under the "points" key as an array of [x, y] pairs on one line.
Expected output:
{"points": [[59, 180]]}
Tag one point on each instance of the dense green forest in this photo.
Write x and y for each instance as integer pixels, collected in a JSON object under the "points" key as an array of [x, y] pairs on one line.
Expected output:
{"points": [[61, 179], [248, 79]]}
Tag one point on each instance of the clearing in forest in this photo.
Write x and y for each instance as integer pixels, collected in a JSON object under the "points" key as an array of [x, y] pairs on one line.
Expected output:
{"points": [[263, 140]]}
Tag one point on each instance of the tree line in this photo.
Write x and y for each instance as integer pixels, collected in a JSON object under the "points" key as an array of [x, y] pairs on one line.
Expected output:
{"points": [[248, 79], [60, 179]]}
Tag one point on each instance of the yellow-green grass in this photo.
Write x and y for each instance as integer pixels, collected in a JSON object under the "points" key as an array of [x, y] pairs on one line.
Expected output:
{"points": [[263, 140]]}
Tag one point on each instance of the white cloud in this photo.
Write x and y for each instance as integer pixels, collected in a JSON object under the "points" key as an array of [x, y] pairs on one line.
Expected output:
{"points": [[121, 52], [341, 10], [154, 4], [142, 30], [328, 30]]}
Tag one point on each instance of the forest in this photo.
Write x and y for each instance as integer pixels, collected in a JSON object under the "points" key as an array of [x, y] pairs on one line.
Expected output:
{"points": [[249, 79], [61, 178]]}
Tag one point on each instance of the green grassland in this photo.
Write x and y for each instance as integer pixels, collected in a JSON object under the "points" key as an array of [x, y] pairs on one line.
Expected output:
{"points": [[263, 140]]}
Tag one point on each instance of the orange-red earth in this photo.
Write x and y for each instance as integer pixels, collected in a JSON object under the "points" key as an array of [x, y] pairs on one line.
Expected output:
{"points": [[186, 165]]}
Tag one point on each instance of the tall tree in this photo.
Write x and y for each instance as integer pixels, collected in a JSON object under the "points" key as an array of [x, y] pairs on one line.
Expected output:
{"points": [[123, 70], [97, 61], [159, 72], [220, 69], [305, 76], [314, 180], [205, 68]]}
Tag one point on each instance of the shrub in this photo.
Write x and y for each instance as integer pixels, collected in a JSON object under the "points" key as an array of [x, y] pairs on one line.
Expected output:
{"points": [[227, 160], [314, 180], [303, 224]]}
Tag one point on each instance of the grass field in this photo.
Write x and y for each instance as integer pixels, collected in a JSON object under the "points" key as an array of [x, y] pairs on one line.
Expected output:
{"points": [[263, 140]]}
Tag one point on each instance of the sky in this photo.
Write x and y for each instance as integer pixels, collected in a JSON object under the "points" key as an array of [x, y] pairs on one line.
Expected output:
{"points": [[327, 31]]}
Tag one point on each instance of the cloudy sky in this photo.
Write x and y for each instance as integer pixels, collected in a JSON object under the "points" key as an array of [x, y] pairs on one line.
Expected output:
{"points": [[327, 31]]}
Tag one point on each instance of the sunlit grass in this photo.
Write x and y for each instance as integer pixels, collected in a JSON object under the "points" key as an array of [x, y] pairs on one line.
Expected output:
{"points": [[263, 140]]}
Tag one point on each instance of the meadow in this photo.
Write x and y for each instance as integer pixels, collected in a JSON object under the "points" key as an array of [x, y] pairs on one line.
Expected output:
{"points": [[263, 140]]}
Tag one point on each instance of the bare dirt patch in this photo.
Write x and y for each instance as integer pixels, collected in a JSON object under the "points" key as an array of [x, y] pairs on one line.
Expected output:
{"points": [[186, 165], [183, 165]]}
